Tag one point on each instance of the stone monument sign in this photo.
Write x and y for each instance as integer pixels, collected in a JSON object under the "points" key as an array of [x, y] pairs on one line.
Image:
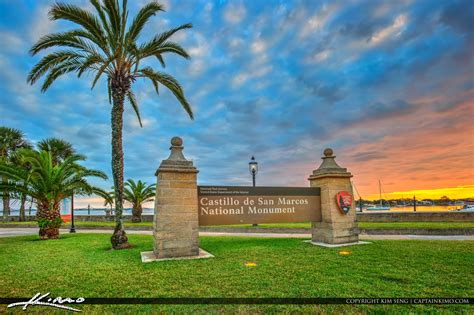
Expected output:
{"points": [[181, 206]]}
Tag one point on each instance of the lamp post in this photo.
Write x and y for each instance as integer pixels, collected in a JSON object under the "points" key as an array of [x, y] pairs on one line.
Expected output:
{"points": [[73, 228], [253, 169]]}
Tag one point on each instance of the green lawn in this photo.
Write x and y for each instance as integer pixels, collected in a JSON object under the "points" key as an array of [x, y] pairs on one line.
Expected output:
{"points": [[362, 225], [84, 265]]}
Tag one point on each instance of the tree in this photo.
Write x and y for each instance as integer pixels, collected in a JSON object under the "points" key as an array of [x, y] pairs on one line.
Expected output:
{"points": [[105, 44], [108, 200], [48, 184], [18, 160], [60, 149], [137, 194], [10, 140]]}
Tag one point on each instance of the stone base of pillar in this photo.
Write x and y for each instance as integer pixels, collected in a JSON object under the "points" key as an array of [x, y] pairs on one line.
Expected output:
{"points": [[334, 233], [150, 256]]}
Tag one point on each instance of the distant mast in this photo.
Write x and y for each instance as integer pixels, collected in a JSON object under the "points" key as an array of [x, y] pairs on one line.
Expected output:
{"points": [[380, 193]]}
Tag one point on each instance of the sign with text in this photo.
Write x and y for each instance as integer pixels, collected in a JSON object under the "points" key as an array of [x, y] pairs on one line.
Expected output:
{"points": [[223, 205]]}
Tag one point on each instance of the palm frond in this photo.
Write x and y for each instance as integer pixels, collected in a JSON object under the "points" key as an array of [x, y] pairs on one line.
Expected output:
{"points": [[112, 9], [73, 39], [51, 61], [161, 60], [133, 102], [169, 47], [147, 49], [70, 65], [171, 84], [101, 71], [81, 17], [89, 63], [142, 17]]}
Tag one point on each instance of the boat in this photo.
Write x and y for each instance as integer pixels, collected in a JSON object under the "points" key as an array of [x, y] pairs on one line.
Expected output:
{"points": [[467, 208], [380, 206]]}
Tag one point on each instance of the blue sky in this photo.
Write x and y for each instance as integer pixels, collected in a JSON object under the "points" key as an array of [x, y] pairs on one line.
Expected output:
{"points": [[387, 84]]}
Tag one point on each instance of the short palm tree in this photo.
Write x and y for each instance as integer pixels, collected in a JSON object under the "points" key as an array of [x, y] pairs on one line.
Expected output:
{"points": [[10, 140], [106, 44], [19, 161], [48, 184], [108, 200], [137, 194], [60, 149]]}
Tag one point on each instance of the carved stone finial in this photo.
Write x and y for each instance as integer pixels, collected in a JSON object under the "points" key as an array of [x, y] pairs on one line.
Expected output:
{"points": [[176, 141], [329, 165], [328, 152], [176, 161]]}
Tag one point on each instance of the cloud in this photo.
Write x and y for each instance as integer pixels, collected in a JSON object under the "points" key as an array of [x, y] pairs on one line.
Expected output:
{"points": [[40, 24], [386, 84], [459, 15], [12, 42], [234, 13], [392, 30]]}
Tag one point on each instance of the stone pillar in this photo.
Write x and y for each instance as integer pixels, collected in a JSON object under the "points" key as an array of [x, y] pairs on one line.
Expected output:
{"points": [[335, 226], [175, 227]]}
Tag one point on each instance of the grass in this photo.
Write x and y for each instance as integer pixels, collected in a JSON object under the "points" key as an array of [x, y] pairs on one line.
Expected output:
{"points": [[83, 265], [362, 225]]}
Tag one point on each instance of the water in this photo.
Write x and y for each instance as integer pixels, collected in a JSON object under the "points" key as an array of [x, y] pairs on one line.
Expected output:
{"points": [[418, 208], [150, 211], [82, 211]]}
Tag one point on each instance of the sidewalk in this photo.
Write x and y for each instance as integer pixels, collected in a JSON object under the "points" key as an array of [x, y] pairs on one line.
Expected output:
{"points": [[6, 232]]}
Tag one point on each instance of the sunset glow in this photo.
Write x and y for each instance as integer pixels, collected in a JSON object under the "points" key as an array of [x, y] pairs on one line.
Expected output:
{"points": [[452, 193]]}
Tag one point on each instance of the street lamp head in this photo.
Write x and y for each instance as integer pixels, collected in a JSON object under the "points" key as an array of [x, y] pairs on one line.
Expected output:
{"points": [[253, 166]]}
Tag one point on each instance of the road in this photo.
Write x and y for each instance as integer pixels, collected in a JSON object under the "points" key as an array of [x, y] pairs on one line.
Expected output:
{"points": [[6, 232]]}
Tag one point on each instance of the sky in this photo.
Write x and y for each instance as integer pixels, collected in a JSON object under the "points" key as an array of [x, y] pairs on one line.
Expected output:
{"points": [[388, 85]]}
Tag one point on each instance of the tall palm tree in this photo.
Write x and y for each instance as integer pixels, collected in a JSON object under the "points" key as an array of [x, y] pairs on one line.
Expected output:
{"points": [[11, 139], [106, 44], [60, 149], [48, 184], [137, 194]]}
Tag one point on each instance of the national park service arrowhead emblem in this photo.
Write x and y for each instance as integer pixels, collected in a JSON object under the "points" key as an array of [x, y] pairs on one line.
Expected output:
{"points": [[344, 201]]}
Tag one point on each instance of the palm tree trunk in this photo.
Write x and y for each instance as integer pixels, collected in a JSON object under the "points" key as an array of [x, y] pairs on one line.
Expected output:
{"points": [[119, 86], [137, 213], [22, 207], [6, 206], [6, 202], [49, 220]]}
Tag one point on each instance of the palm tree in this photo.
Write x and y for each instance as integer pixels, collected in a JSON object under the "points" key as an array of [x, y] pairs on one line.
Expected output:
{"points": [[18, 160], [60, 149], [105, 44], [108, 200], [137, 194], [10, 140], [48, 184]]}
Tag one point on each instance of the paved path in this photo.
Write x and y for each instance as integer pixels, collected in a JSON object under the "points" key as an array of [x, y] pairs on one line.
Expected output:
{"points": [[5, 232]]}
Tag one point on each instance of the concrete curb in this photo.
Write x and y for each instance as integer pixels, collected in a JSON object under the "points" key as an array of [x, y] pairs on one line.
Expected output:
{"points": [[460, 231]]}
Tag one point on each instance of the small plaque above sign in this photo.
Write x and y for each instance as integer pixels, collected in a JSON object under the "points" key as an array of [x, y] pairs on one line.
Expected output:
{"points": [[224, 205]]}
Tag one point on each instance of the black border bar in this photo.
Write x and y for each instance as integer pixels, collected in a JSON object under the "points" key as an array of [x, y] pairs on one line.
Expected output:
{"points": [[273, 300]]}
